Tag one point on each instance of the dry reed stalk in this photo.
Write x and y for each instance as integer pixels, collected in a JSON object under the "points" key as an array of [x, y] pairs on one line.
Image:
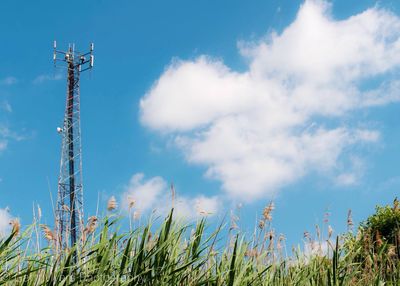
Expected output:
{"points": [[47, 233], [279, 246], [90, 228], [349, 221], [204, 213], [151, 241], [392, 251], [318, 232], [251, 253], [330, 232], [270, 237], [307, 236], [366, 239], [330, 244], [378, 239], [173, 195], [261, 224], [267, 213], [200, 211], [266, 217], [395, 204], [136, 215], [91, 225], [131, 202], [39, 211], [112, 204], [327, 214], [234, 219], [15, 225]]}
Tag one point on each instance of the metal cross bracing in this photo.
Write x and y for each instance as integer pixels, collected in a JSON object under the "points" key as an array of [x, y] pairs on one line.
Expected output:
{"points": [[69, 220]]}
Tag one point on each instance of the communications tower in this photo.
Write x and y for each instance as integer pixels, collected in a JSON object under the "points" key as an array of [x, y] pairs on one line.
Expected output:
{"points": [[69, 220]]}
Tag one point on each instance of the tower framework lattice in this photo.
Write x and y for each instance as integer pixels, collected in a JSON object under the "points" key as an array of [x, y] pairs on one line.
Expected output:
{"points": [[69, 220]]}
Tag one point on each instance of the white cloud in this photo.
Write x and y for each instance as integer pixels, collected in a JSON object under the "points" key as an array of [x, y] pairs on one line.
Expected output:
{"points": [[46, 77], [353, 175], [347, 179], [3, 145], [319, 50], [154, 194], [259, 130], [145, 193], [10, 80], [5, 218], [6, 106], [6, 134], [3, 138], [316, 248], [198, 206]]}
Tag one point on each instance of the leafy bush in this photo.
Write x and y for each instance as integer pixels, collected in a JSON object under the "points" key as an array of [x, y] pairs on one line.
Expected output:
{"points": [[375, 247], [384, 225]]}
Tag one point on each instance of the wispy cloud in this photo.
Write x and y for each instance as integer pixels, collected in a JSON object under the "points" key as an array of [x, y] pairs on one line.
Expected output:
{"points": [[6, 132], [6, 135], [6, 106], [259, 130], [3, 145], [10, 80], [46, 77], [353, 175]]}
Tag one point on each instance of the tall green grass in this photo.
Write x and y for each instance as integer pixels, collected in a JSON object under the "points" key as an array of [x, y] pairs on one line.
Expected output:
{"points": [[176, 254]]}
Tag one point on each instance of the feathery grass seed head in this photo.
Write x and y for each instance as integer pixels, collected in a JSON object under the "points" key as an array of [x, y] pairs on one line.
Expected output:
{"points": [[267, 213], [16, 226], [112, 204], [47, 233]]}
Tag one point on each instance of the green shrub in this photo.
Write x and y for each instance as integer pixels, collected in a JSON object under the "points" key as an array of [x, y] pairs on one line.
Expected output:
{"points": [[383, 227]]}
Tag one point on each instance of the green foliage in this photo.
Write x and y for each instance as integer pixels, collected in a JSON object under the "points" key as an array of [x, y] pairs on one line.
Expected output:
{"points": [[175, 254], [376, 246], [385, 223]]}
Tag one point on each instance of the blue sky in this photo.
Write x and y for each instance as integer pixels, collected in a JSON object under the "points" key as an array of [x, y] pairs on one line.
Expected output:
{"points": [[232, 101]]}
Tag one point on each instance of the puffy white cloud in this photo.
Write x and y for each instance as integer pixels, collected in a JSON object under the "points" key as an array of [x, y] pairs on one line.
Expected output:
{"points": [[317, 49], [258, 130], [154, 194], [145, 193]]}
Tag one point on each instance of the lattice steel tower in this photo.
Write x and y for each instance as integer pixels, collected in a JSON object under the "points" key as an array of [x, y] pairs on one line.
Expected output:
{"points": [[69, 220]]}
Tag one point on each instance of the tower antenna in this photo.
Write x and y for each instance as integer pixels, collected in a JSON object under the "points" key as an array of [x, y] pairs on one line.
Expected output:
{"points": [[69, 220]]}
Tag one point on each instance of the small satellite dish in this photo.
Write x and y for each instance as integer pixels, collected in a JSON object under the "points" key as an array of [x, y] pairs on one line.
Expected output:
{"points": [[59, 130]]}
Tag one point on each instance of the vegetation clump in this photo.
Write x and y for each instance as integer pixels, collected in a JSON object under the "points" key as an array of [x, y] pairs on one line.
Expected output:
{"points": [[176, 254], [384, 227]]}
